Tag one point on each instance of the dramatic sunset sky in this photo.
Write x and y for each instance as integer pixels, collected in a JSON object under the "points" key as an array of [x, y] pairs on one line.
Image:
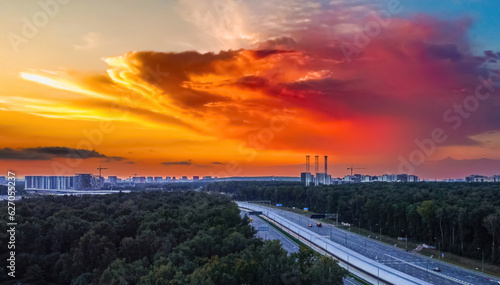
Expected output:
{"points": [[237, 87]]}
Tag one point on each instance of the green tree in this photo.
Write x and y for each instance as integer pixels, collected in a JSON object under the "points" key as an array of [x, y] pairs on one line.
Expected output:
{"points": [[492, 223]]}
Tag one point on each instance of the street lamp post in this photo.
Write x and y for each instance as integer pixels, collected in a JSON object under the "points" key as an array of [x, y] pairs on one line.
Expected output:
{"points": [[439, 249], [482, 260], [406, 242]]}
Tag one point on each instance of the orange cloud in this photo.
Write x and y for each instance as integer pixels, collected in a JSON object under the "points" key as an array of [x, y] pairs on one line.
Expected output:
{"points": [[297, 93]]}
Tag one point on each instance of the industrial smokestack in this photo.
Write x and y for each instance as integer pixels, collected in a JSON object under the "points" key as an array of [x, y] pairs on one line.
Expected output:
{"points": [[326, 164], [316, 164], [307, 163]]}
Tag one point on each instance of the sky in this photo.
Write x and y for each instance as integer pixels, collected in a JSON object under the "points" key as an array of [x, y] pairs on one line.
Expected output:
{"points": [[247, 88]]}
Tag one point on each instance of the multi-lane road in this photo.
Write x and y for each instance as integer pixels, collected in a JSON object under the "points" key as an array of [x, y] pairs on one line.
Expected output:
{"points": [[267, 232], [414, 265]]}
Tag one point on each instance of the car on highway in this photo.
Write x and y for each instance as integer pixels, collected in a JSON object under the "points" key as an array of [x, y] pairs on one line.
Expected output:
{"points": [[436, 269], [319, 225], [310, 225]]}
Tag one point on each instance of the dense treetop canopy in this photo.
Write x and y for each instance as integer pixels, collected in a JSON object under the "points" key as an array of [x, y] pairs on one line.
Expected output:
{"points": [[456, 217], [151, 238]]}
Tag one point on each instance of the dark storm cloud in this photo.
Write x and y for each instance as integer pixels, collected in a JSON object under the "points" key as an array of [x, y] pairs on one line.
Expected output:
{"points": [[186, 162], [48, 153]]}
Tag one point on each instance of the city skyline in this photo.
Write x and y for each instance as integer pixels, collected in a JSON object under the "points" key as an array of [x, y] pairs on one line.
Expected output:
{"points": [[234, 88], [354, 177]]}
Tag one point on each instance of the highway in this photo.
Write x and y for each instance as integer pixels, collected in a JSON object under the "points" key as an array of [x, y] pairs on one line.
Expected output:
{"points": [[267, 232], [415, 265]]}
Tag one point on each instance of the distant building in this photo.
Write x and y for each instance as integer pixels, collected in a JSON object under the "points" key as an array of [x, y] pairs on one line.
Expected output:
{"points": [[149, 179], [196, 177], [412, 178], [49, 182], [158, 179], [65, 182], [100, 182], [2, 180], [207, 177], [139, 179], [84, 181], [477, 178], [306, 178], [184, 178], [366, 178], [168, 178], [389, 178], [113, 180], [323, 178], [402, 178], [356, 178], [33, 182]]}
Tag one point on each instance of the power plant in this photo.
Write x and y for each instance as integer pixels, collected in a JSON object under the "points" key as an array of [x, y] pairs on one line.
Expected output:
{"points": [[323, 178], [318, 178]]}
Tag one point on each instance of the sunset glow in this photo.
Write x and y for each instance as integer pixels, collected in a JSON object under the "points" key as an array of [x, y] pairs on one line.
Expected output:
{"points": [[264, 89]]}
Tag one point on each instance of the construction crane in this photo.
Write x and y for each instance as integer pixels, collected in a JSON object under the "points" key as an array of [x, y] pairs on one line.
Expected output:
{"points": [[352, 168], [100, 168]]}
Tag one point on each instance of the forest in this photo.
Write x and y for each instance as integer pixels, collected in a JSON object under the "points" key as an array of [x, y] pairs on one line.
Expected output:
{"points": [[151, 237], [463, 218]]}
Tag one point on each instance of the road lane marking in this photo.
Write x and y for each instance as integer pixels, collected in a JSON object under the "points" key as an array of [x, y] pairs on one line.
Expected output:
{"points": [[433, 272], [294, 244]]}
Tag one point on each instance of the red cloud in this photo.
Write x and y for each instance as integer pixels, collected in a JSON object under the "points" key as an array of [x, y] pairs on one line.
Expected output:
{"points": [[372, 101], [391, 92]]}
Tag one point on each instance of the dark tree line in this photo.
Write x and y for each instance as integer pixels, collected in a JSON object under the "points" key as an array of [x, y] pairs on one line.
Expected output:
{"points": [[151, 238], [455, 217]]}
